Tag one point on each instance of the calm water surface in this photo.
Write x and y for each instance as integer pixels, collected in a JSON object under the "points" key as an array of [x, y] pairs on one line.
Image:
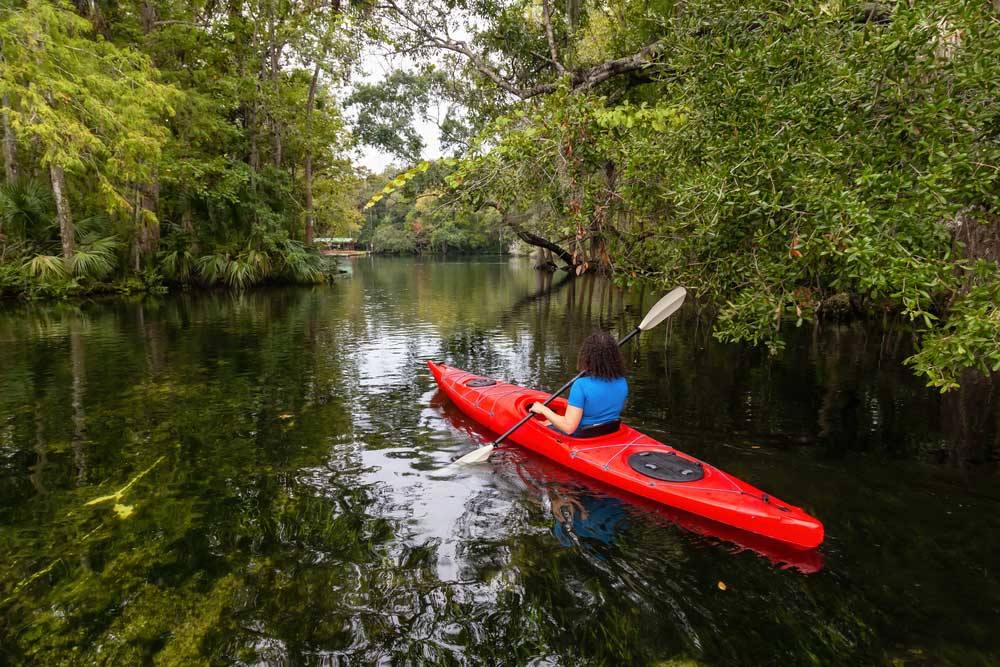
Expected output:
{"points": [[255, 479]]}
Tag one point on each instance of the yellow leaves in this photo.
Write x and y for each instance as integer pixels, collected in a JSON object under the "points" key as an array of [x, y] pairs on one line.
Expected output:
{"points": [[403, 179], [829, 8], [123, 511], [533, 13]]}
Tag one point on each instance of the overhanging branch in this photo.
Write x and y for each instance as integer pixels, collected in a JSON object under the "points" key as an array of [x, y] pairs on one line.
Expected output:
{"points": [[579, 79], [533, 239]]}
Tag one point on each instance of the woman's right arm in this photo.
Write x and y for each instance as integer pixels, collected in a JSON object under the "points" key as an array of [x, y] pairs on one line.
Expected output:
{"points": [[567, 423]]}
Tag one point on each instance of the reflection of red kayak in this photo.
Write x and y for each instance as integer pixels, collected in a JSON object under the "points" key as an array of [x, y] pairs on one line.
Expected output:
{"points": [[629, 460]]}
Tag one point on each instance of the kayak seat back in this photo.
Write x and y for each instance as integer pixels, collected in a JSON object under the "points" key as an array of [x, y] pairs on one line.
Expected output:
{"points": [[597, 430]]}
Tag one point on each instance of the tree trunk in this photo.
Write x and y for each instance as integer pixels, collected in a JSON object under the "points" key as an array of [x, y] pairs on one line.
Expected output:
{"points": [[66, 231], [187, 223], [275, 53], [147, 223], [9, 159], [572, 16], [252, 129], [9, 144], [538, 241], [308, 159], [534, 239]]}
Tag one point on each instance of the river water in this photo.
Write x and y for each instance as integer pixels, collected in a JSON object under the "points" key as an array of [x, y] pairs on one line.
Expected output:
{"points": [[256, 479]]}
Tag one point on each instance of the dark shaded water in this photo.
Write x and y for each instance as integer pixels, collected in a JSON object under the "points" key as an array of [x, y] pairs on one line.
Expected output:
{"points": [[276, 454]]}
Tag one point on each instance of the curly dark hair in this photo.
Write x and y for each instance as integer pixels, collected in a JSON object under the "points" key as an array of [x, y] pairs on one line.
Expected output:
{"points": [[600, 357]]}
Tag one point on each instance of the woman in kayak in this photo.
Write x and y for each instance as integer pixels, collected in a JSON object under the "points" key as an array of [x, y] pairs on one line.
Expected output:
{"points": [[595, 400]]}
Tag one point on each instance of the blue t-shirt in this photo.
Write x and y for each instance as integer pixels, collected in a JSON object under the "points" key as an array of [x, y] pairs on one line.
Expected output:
{"points": [[601, 400]]}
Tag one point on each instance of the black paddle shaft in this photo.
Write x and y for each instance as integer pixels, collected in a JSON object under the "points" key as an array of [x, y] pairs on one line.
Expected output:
{"points": [[627, 338]]}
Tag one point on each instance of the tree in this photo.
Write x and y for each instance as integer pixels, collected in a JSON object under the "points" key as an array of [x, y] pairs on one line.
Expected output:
{"points": [[93, 108], [777, 158], [203, 137]]}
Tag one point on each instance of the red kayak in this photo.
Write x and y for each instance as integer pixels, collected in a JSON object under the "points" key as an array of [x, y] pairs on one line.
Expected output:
{"points": [[629, 460], [535, 471]]}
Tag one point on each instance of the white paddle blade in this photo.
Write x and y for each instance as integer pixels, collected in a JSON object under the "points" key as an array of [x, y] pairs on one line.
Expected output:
{"points": [[478, 456], [663, 309]]}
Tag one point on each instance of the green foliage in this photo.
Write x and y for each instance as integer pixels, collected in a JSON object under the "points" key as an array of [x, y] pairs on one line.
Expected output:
{"points": [[178, 265], [776, 154], [269, 259], [12, 281], [402, 179], [969, 339], [448, 235], [411, 203], [176, 161], [83, 99], [393, 240], [296, 264], [95, 260], [26, 209], [46, 268], [387, 110]]}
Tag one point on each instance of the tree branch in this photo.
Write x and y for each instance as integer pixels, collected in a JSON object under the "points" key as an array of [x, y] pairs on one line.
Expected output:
{"points": [[581, 79], [547, 14], [533, 239]]}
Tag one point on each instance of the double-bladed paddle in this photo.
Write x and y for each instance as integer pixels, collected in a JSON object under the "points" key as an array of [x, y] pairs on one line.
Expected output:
{"points": [[663, 309]]}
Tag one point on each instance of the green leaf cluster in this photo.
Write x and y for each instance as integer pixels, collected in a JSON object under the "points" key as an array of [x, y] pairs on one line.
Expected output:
{"points": [[187, 131], [776, 158]]}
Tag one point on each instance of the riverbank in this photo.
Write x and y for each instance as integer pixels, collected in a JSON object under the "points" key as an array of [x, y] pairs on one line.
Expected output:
{"points": [[16, 283]]}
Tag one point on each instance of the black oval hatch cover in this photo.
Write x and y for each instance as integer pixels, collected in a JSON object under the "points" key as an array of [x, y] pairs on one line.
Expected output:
{"points": [[666, 466]]}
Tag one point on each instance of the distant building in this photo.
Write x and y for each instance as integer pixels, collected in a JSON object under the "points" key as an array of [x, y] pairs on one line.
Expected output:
{"points": [[336, 242]]}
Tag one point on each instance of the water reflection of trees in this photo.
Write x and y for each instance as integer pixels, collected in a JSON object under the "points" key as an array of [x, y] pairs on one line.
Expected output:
{"points": [[236, 394], [263, 535]]}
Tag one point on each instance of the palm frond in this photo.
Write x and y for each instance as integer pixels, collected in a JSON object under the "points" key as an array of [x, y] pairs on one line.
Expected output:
{"points": [[45, 268], [260, 262], [301, 266], [213, 268], [91, 229], [177, 264], [96, 259], [240, 273], [25, 207]]}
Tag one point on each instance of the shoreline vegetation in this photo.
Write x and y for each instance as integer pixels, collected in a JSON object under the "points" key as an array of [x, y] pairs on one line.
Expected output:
{"points": [[786, 161]]}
